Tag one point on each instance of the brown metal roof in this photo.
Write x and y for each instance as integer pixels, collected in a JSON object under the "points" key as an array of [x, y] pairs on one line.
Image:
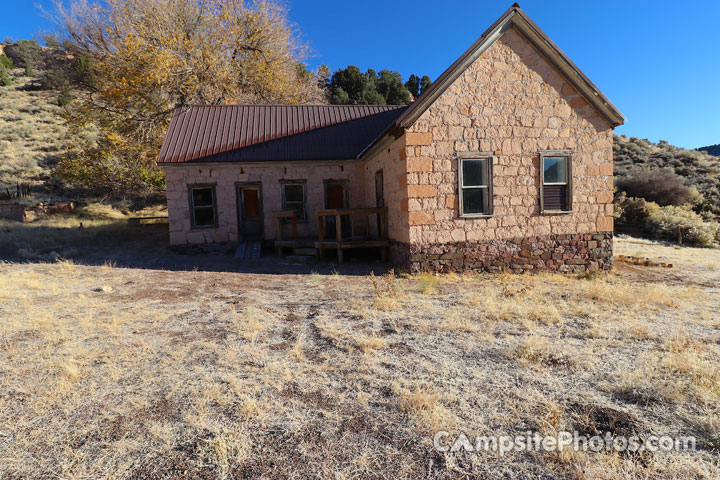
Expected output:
{"points": [[259, 133]]}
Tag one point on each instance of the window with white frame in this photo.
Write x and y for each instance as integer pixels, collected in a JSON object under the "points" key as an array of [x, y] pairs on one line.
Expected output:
{"points": [[475, 178], [556, 192]]}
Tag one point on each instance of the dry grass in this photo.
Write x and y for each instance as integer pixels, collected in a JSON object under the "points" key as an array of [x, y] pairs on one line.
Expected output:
{"points": [[32, 133], [224, 375]]}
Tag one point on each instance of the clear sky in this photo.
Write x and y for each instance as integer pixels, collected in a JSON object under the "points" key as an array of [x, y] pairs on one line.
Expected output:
{"points": [[657, 61]]}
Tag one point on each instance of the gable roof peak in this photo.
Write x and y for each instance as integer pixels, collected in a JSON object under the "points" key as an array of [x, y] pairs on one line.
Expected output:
{"points": [[515, 17]]}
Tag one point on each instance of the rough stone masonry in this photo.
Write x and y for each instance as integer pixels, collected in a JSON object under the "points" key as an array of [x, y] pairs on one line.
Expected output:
{"points": [[513, 103]]}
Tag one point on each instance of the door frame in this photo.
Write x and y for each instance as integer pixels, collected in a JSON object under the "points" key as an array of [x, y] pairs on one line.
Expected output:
{"points": [[346, 190], [238, 208], [379, 199], [345, 183]]}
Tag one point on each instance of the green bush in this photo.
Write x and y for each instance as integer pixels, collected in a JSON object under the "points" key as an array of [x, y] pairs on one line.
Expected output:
{"points": [[5, 79], [64, 98], [632, 210], [29, 72], [681, 224], [6, 62], [25, 53]]}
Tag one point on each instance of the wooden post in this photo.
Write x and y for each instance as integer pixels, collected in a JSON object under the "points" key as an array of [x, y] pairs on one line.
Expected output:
{"points": [[338, 236], [383, 224]]}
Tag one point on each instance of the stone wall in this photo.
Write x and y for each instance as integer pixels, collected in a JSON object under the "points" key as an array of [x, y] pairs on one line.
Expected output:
{"points": [[225, 178], [513, 103], [392, 161], [561, 253]]}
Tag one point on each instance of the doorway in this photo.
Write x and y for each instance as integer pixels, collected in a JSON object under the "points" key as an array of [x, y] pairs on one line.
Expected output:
{"points": [[379, 199], [250, 213], [336, 196]]}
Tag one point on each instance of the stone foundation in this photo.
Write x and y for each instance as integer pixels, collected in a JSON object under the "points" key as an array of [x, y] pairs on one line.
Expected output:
{"points": [[558, 253]]}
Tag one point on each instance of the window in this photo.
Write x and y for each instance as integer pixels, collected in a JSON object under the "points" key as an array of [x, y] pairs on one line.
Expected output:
{"points": [[475, 186], [293, 198], [203, 206], [556, 189]]}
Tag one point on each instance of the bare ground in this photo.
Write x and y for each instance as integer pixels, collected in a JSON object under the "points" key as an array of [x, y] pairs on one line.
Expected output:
{"points": [[134, 373]]}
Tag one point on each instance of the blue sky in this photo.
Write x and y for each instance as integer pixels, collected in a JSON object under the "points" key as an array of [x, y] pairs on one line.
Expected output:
{"points": [[658, 61]]}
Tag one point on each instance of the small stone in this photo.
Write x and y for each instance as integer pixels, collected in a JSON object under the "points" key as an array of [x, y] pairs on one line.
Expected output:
{"points": [[104, 289]]}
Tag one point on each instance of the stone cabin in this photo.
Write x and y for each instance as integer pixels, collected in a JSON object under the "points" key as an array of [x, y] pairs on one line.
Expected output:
{"points": [[505, 162]]}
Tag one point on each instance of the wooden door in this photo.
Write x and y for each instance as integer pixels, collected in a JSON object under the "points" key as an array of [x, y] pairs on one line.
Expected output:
{"points": [[250, 215], [336, 196]]}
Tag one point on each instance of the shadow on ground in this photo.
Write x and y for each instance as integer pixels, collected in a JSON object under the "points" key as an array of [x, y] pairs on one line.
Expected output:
{"points": [[147, 247]]}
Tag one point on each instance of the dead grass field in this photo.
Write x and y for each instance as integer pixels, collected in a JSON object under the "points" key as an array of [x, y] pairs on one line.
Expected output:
{"points": [[110, 372]]}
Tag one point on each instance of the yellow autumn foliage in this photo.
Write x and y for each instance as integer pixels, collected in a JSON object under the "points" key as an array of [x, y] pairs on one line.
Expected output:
{"points": [[147, 57]]}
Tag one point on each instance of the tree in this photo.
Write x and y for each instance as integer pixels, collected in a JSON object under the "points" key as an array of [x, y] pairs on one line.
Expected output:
{"points": [[351, 86], [392, 89], [425, 83], [139, 59], [413, 85]]}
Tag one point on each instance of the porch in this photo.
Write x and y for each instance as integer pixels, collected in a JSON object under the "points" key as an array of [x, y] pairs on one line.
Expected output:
{"points": [[338, 229]]}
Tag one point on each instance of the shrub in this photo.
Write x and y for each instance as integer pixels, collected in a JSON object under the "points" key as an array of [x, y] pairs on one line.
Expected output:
{"points": [[682, 224], [632, 210], [64, 98], [29, 72], [6, 62], [658, 185], [25, 53], [5, 79]]}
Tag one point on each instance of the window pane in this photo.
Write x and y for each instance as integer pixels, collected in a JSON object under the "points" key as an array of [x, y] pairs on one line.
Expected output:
{"points": [[475, 173], [294, 193], [555, 170], [204, 216], [202, 197], [475, 200]]}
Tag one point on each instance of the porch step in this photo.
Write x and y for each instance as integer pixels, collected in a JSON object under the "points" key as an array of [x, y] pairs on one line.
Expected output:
{"points": [[305, 251], [300, 259], [249, 250]]}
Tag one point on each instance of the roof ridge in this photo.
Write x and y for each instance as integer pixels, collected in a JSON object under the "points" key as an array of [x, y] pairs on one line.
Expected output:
{"points": [[287, 105]]}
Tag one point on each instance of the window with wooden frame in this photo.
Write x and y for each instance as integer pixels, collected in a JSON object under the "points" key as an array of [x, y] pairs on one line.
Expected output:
{"points": [[475, 185], [556, 176], [294, 197], [203, 206]]}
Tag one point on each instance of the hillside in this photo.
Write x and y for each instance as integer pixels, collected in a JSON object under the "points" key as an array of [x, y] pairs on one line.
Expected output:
{"points": [[32, 133], [711, 149], [697, 168]]}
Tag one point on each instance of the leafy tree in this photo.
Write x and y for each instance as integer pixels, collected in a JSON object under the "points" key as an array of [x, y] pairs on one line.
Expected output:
{"points": [[136, 60]]}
